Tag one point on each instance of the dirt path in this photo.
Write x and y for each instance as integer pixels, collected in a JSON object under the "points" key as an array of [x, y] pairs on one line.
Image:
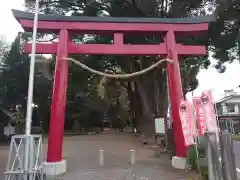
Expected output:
{"points": [[82, 155]]}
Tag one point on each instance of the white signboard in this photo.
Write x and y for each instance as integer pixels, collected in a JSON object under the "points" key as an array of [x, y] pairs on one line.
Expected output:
{"points": [[160, 125], [9, 130]]}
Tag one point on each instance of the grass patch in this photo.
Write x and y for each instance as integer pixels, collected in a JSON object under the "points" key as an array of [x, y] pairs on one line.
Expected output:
{"points": [[236, 137]]}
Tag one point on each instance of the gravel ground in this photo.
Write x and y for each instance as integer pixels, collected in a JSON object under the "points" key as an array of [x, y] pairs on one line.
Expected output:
{"points": [[82, 155]]}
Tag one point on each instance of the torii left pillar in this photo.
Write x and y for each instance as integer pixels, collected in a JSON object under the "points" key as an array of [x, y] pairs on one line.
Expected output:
{"points": [[55, 165]]}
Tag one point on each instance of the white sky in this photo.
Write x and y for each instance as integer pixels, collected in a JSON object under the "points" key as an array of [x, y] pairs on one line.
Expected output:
{"points": [[209, 79]]}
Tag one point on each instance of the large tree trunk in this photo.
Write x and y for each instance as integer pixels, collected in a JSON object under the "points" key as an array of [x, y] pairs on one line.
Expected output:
{"points": [[132, 106], [148, 98]]}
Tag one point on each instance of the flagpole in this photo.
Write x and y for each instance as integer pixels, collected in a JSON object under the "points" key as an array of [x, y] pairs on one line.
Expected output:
{"points": [[31, 72], [28, 146]]}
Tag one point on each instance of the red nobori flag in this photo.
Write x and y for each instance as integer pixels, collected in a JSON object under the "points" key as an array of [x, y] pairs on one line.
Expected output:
{"points": [[209, 113], [186, 116], [200, 116]]}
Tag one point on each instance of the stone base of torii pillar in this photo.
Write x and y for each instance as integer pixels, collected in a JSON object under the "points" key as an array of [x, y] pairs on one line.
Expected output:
{"points": [[179, 162], [54, 168]]}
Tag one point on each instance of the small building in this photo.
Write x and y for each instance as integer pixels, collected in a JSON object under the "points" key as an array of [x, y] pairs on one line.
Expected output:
{"points": [[228, 112]]}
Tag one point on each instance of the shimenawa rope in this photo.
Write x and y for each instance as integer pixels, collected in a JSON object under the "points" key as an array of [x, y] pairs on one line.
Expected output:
{"points": [[118, 76]]}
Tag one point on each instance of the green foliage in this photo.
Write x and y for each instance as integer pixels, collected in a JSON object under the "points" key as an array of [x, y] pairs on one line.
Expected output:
{"points": [[87, 93], [236, 137], [225, 33], [226, 29], [14, 83], [197, 157], [14, 77], [203, 171], [192, 158], [202, 146], [3, 47]]}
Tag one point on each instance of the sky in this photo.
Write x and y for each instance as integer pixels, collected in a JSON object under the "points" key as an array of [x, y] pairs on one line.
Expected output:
{"points": [[208, 79]]}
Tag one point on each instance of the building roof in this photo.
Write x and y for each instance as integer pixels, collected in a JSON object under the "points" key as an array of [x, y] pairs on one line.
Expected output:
{"points": [[227, 98]]}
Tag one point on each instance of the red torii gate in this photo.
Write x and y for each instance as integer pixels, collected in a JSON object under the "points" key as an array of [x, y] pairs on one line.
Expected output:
{"points": [[66, 25]]}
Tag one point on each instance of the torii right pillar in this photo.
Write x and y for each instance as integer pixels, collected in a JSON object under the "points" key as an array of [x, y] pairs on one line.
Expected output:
{"points": [[176, 94]]}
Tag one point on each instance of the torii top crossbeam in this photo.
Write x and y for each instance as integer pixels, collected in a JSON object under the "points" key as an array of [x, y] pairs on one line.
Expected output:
{"points": [[25, 17], [117, 26]]}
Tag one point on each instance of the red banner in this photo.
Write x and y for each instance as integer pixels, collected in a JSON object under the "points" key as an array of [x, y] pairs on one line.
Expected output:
{"points": [[186, 116], [209, 113], [200, 117]]}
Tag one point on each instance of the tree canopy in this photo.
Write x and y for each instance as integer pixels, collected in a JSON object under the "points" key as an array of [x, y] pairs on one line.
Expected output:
{"points": [[130, 100]]}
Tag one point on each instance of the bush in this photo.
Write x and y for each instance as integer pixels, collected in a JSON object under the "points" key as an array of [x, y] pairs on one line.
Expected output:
{"points": [[192, 157], [197, 157], [203, 170], [236, 137]]}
